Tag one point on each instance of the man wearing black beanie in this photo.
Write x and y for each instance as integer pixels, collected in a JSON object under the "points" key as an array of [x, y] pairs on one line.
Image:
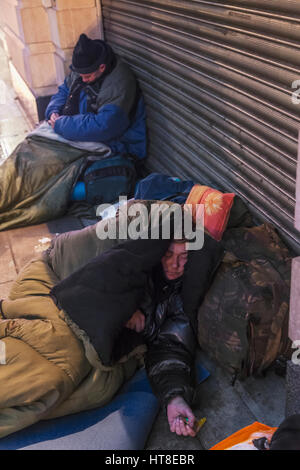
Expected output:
{"points": [[100, 101]]}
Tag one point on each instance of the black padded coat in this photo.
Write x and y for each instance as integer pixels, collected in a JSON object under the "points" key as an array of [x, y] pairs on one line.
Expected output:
{"points": [[101, 297], [170, 339]]}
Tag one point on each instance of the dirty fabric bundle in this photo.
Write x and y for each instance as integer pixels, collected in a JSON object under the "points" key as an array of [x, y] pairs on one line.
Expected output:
{"points": [[37, 178]]}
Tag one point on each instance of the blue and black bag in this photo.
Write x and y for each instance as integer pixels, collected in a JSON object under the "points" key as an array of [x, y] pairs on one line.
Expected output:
{"points": [[162, 187], [104, 180]]}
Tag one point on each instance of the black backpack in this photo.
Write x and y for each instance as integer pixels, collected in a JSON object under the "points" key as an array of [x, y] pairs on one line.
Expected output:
{"points": [[108, 178]]}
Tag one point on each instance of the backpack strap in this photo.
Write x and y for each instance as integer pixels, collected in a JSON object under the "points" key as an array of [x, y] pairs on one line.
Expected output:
{"points": [[109, 171]]}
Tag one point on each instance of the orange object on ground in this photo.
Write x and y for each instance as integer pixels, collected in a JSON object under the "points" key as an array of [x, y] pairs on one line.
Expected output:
{"points": [[216, 208], [242, 439]]}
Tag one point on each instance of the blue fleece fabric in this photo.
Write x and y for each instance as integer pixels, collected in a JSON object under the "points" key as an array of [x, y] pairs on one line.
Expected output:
{"points": [[111, 125]]}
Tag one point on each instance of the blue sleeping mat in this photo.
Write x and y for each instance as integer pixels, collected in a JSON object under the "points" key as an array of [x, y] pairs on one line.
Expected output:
{"points": [[123, 424]]}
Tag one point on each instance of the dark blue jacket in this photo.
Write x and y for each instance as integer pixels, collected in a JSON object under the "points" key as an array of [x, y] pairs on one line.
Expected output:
{"points": [[119, 120]]}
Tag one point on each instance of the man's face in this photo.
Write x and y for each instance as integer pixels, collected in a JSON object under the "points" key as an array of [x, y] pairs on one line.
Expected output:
{"points": [[91, 77], [174, 260]]}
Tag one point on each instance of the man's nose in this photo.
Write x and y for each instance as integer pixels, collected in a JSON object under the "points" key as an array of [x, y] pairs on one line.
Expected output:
{"points": [[175, 261]]}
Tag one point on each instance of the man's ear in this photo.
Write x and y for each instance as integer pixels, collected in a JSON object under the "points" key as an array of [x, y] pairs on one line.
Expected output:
{"points": [[102, 68]]}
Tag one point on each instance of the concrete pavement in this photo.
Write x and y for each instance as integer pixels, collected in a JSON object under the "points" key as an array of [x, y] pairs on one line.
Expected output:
{"points": [[14, 124]]}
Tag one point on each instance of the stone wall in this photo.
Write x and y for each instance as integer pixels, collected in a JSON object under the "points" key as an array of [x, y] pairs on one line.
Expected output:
{"points": [[39, 36]]}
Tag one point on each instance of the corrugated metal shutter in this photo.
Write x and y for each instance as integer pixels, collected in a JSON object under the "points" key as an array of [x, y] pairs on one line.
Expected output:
{"points": [[217, 77]]}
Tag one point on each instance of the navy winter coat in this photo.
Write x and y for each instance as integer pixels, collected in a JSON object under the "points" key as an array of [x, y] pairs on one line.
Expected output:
{"points": [[119, 119]]}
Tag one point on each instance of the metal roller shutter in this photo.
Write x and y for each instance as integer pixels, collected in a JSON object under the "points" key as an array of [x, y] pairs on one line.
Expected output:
{"points": [[217, 78]]}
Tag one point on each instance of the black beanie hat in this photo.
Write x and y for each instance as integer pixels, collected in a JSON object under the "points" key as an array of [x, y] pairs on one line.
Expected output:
{"points": [[88, 54]]}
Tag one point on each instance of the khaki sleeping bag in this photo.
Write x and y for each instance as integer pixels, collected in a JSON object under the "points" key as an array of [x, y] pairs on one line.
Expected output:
{"points": [[50, 368]]}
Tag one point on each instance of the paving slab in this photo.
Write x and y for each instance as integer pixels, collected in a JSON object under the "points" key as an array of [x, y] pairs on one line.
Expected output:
{"points": [[8, 145], [13, 127], [27, 242], [4, 69], [220, 404], [14, 124], [7, 266], [265, 397], [9, 108]]}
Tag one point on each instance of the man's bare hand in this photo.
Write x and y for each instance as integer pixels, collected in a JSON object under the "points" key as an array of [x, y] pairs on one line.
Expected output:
{"points": [[52, 119], [177, 411], [136, 322]]}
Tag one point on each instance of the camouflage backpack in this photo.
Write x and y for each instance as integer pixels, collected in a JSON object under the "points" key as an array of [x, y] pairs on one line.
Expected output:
{"points": [[243, 320]]}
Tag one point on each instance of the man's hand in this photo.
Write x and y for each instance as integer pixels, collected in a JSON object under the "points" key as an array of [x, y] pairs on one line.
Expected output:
{"points": [[177, 411], [136, 322], [52, 119]]}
